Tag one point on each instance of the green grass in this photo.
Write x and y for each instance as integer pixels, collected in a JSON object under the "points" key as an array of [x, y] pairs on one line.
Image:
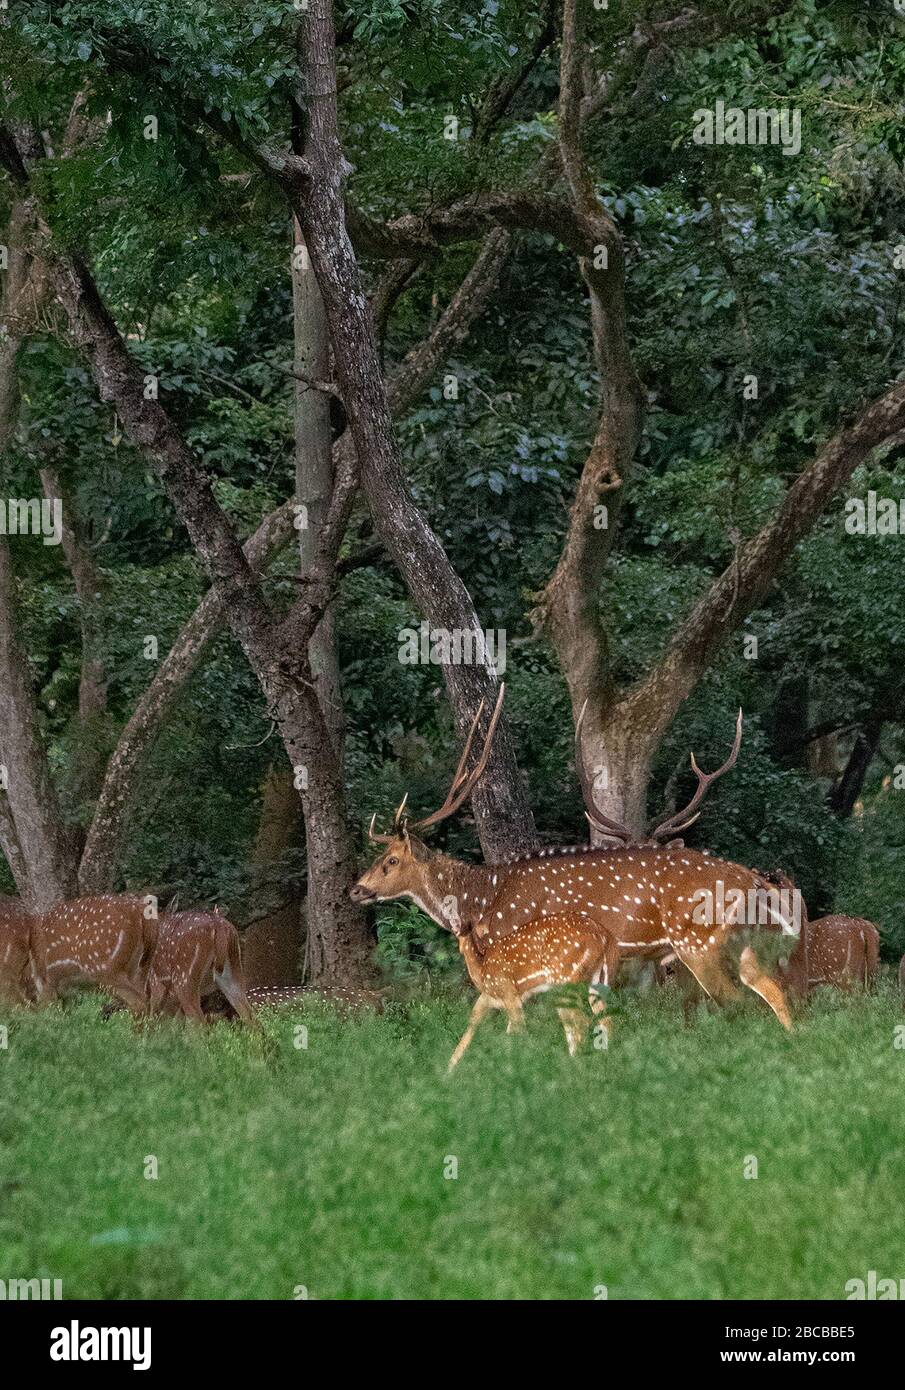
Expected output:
{"points": [[324, 1167]]}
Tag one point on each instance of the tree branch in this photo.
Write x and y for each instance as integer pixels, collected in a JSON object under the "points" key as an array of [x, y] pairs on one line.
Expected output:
{"points": [[655, 700], [117, 795]]}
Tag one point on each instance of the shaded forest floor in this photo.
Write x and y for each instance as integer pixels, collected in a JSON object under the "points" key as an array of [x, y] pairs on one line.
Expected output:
{"points": [[325, 1166]]}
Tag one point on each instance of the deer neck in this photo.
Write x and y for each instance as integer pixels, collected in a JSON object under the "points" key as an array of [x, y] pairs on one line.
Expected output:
{"points": [[450, 886]]}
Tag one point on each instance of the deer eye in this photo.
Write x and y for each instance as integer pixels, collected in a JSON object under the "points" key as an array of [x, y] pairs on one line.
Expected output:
{"points": [[392, 859]]}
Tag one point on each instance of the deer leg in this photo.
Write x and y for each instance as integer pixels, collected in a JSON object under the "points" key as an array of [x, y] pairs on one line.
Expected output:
{"points": [[575, 1026], [13, 991], [708, 970], [158, 997], [482, 1007], [227, 983], [131, 995], [604, 1025], [751, 974], [45, 993], [510, 1000], [190, 1005], [690, 991]]}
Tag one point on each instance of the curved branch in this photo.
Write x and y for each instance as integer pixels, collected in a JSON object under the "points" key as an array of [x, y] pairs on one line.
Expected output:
{"points": [[652, 703], [120, 785]]}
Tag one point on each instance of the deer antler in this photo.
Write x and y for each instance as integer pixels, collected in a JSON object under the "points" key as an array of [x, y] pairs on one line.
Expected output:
{"points": [[377, 839], [463, 782], [592, 810], [682, 819], [398, 825]]}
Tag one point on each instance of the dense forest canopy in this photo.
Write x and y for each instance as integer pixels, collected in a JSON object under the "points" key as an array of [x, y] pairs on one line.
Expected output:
{"points": [[578, 307]]}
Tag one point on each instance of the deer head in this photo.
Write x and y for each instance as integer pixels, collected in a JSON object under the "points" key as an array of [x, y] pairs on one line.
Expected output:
{"points": [[403, 868], [397, 870]]}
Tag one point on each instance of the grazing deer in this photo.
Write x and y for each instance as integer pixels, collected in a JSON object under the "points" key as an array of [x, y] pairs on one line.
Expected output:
{"points": [[835, 950], [105, 941], [15, 946], [653, 899], [197, 953]]}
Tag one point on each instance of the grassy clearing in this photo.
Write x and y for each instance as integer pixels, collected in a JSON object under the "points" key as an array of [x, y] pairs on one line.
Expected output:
{"points": [[324, 1167]]}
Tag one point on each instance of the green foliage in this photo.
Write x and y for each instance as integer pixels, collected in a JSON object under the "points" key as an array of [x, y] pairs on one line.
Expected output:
{"points": [[740, 262]]}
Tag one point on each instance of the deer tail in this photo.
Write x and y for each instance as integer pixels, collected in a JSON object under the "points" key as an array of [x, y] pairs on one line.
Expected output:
{"points": [[223, 942], [871, 955]]}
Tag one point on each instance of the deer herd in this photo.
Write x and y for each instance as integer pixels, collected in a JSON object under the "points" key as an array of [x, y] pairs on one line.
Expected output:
{"points": [[152, 964], [542, 921], [570, 916]]}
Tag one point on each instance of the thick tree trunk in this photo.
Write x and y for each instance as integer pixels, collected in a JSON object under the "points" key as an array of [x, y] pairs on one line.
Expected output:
{"points": [[617, 756], [31, 801], [11, 849], [503, 816], [314, 490], [34, 840], [272, 944], [843, 796]]}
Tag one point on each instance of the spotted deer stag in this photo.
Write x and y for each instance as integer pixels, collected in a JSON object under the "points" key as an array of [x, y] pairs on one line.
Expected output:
{"points": [[15, 947], [105, 941], [835, 950], [651, 898], [197, 954], [548, 950]]}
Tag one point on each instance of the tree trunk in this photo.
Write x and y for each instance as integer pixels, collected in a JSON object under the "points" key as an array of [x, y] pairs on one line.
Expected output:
{"points": [[843, 796], [272, 944], [504, 819], [34, 839], [314, 489], [30, 796], [617, 757]]}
